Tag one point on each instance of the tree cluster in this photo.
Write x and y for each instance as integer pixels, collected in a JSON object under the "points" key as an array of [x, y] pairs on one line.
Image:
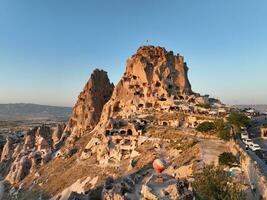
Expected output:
{"points": [[213, 183]]}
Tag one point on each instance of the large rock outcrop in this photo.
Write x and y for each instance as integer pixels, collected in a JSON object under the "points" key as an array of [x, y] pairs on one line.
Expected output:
{"points": [[88, 108], [152, 75], [154, 78], [27, 155]]}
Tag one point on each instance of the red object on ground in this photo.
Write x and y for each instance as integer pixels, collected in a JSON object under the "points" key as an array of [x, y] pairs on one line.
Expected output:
{"points": [[159, 165]]}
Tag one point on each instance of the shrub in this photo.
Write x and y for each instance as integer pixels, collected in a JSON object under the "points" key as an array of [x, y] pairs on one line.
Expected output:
{"points": [[206, 127], [227, 158], [239, 119], [223, 129], [224, 134], [213, 183]]}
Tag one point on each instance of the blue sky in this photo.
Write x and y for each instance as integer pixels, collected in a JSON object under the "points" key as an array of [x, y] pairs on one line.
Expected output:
{"points": [[48, 49]]}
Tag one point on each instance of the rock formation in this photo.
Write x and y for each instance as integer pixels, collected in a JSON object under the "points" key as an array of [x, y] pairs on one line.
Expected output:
{"points": [[88, 108], [19, 170], [2, 144], [154, 93], [152, 75], [7, 150], [27, 155], [57, 134], [153, 79]]}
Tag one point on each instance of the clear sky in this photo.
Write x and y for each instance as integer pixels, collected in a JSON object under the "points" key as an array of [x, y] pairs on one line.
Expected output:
{"points": [[48, 48]]}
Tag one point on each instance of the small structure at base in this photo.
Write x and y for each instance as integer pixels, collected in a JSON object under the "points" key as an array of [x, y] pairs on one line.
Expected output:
{"points": [[263, 130]]}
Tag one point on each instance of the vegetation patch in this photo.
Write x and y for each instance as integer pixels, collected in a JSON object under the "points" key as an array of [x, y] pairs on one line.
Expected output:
{"points": [[239, 119], [206, 127], [214, 183], [223, 129], [227, 159]]}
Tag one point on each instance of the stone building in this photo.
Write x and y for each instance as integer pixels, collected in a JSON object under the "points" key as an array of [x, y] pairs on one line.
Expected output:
{"points": [[264, 131]]}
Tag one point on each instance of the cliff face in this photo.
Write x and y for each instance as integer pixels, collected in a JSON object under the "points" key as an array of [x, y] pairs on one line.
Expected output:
{"points": [[157, 68], [88, 108], [151, 74]]}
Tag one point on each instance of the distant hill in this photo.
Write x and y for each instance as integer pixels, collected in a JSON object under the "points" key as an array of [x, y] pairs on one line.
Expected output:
{"points": [[22, 111], [260, 107]]}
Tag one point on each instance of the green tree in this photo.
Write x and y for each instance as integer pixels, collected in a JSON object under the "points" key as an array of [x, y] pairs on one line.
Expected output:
{"points": [[213, 183], [239, 119], [206, 127], [227, 158], [223, 129]]}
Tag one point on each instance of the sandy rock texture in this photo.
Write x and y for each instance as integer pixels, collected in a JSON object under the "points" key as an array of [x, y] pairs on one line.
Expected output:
{"points": [[88, 108]]}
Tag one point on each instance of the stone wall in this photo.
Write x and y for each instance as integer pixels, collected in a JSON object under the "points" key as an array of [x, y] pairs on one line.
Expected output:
{"points": [[252, 172]]}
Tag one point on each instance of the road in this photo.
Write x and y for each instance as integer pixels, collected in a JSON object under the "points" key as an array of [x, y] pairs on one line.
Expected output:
{"points": [[255, 133], [260, 163]]}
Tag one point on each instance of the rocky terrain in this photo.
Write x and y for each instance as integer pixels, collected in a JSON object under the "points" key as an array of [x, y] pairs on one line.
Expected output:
{"points": [[27, 154], [106, 149]]}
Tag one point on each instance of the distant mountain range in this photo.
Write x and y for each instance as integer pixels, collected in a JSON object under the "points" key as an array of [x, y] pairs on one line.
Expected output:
{"points": [[23, 111]]}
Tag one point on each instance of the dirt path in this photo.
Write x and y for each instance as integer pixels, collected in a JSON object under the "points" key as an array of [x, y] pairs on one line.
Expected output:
{"points": [[211, 149]]}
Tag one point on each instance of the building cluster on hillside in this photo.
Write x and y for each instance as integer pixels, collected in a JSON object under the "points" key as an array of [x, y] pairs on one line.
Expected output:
{"points": [[251, 112], [192, 104], [194, 110]]}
